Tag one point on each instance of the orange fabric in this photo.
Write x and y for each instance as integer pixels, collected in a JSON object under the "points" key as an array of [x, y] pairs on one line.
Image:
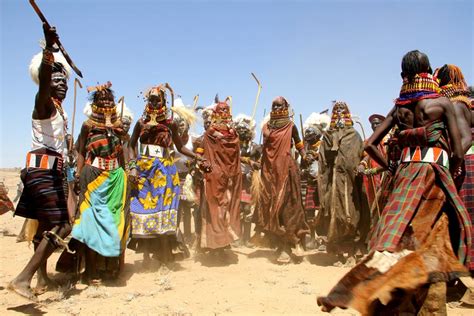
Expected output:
{"points": [[220, 211]]}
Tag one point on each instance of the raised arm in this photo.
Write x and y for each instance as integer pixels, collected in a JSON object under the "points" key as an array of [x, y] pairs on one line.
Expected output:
{"points": [[44, 108]]}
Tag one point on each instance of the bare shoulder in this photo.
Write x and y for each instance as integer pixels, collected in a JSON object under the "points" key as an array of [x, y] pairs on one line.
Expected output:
{"points": [[435, 106]]}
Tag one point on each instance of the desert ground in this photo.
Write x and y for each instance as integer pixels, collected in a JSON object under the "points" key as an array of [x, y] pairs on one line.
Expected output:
{"points": [[248, 283]]}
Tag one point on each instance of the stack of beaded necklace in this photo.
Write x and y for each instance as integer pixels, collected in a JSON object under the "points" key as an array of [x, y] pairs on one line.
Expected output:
{"points": [[423, 86], [99, 144], [279, 118], [345, 117], [103, 116], [221, 121], [153, 116], [456, 93]]}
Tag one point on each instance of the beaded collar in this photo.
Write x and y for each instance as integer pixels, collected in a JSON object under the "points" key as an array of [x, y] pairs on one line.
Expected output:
{"points": [[423, 86]]}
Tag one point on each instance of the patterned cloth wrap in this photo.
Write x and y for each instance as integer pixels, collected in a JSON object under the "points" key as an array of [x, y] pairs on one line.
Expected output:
{"points": [[5, 202], [310, 196], [44, 196], [155, 206], [422, 238], [102, 223], [466, 193], [411, 185]]}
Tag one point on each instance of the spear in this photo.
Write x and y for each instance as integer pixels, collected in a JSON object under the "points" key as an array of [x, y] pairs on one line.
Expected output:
{"points": [[258, 95], [60, 46], [76, 82]]}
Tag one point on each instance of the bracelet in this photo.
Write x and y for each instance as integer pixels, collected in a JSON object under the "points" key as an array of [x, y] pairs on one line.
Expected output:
{"points": [[363, 163], [371, 171], [299, 146], [48, 57]]}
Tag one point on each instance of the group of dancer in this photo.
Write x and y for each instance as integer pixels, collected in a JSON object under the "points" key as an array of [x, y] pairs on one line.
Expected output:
{"points": [[404, 196]]}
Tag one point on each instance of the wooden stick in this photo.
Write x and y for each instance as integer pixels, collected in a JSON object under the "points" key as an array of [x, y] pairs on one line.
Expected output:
{"points": [[76, 82], [195, 101], [301, 125], [60, 46], [261, 131], [257, 97], [121, 101]]}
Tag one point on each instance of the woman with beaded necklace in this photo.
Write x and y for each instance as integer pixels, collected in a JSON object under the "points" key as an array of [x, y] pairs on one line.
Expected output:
{"points": [[220, 209], [102, 222], [154, 205], [279, 211]]}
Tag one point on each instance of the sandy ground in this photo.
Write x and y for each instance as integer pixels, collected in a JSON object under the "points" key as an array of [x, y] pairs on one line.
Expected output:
{"points": [[249, 283]]}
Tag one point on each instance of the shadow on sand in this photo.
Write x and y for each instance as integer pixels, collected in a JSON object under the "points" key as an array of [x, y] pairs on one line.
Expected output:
{"points": [[322, 259], [29, 309], [217, 259]]}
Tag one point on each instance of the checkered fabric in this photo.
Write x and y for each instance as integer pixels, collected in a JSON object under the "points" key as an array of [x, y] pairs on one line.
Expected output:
{"points": [[467, 196], [311, 200], [421, 188], [411, 182]]}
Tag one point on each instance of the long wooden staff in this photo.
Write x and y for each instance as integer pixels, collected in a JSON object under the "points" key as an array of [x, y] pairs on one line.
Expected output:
{"points": [[195, 101], [61, 48], [257, 97], [121, 101], [301, 125], [261, 130], [229, 98], [76, 82]]}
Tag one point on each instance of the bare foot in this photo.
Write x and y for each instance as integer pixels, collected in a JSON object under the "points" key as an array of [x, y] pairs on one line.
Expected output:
{"points": [[350, 262], [23, 290], [284, 257], [44, 285], [95, 282]]}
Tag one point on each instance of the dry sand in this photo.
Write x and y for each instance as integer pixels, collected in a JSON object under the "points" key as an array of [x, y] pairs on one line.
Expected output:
{"points": [[251, 285]]}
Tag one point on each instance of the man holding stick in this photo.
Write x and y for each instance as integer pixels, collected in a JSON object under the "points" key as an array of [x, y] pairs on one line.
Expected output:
{"points": [[44, 194]]}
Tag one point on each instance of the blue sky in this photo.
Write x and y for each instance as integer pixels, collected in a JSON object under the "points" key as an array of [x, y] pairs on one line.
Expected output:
{"points": [[311, 52]]}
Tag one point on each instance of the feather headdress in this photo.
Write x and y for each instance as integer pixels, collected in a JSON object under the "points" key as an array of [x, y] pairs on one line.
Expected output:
{"points": [[58, 59], [318, 121], [247, 120], [184, 112]]}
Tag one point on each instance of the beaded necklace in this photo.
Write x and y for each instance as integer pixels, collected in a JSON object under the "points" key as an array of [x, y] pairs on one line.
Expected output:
{"points": [[155, 115], [456, 94], [423, 86], [279, 118]]}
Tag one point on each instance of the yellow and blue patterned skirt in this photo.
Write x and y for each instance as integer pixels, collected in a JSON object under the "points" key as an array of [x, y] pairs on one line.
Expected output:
{"points": [[154, 204]]}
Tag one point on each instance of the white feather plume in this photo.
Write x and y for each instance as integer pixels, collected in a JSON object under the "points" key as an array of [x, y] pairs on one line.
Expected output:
{"points": [[184, 112], [248, 120], [318, 121], [36, 63]]}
